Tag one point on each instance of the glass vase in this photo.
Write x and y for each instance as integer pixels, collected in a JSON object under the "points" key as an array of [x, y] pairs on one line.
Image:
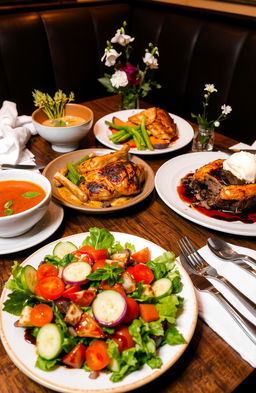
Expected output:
{"points": [[128, 101], [203, 140]]}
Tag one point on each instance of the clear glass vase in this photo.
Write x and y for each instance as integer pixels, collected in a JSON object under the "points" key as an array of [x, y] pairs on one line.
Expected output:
{"points": [[128, 101], [203, 140]]}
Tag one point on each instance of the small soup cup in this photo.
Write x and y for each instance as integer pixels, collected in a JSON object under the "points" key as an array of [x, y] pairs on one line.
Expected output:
{"points": [[17, 224], [64, 139]]}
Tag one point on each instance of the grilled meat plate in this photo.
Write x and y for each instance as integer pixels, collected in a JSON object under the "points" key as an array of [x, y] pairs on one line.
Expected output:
{"points": [[213, 187], [158, 122]]}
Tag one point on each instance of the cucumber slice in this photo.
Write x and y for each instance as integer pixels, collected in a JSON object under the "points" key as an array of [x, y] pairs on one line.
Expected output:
{"points": [[49, 341], [28, 278], [161, 287], [76, 272], [63, 248], [109, 308]]}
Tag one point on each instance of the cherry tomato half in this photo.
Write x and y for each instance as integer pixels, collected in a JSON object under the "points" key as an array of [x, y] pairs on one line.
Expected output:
{"points": [[141, 272], [97, 356], [46, 270], [123, 338], [142, 256], [51, 287], [83, 298], [99, 264], [41, 315], [116, 287], [76, 357], [84, 256], [70, 290], [88, 327], [96, 254]]}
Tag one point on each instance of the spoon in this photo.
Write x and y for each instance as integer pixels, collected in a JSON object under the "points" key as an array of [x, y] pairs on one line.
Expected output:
{"points": [[223, 250]]}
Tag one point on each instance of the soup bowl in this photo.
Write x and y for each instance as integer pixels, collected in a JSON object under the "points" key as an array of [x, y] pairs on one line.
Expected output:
{"points": [[64, 138], [19, 223]]}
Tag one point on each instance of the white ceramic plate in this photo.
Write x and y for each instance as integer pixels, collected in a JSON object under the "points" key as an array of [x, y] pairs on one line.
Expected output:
{"points": [[168, 178], [41, 231], [102, 133], [76, 380]]}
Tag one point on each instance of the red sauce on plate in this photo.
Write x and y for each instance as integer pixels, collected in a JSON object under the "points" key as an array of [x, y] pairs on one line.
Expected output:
{"points": [[187, 196]]}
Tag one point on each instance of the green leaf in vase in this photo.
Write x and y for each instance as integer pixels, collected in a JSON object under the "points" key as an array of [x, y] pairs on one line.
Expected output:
{"points": [[31, 194]]}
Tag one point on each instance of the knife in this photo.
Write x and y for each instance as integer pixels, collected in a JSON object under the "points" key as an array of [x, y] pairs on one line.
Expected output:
{"points": [[20, 166], [203, 285], [232, 151]]}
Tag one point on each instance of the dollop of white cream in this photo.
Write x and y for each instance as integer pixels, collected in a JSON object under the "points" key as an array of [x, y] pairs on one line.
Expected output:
{"points": [[242, 165]]}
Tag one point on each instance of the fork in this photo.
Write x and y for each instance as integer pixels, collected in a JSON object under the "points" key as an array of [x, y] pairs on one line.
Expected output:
{"points": [[203, 268]]}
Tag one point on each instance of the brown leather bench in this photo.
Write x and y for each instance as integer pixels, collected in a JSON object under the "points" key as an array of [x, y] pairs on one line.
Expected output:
{"points": [[49, 49]]}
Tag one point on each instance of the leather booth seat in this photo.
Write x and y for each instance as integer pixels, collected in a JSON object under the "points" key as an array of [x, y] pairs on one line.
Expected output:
{"points": [[61, 48]]}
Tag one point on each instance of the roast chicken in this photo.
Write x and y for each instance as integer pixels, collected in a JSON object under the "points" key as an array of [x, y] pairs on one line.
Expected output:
{"points": [[106, 177], [214, 187], [158, 122]]}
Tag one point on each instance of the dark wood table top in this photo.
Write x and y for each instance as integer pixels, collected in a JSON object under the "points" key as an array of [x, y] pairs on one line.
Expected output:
{"points": [[209, 364]]}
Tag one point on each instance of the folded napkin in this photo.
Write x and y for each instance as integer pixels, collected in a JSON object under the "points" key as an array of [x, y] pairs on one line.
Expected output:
{"points": [[15, 132], [242, 145], [216, 316]]}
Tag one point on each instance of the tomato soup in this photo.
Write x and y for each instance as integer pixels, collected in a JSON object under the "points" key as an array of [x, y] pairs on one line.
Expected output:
{"points": [[65, 121], [17, 196]]}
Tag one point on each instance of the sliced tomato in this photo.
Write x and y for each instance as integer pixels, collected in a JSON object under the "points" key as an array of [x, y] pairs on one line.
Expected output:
{"points": [[96, 254], [132, 310], [148, 312], [88, 327], [84, 256], [116, 287], [76, 357], [41, 314], [46, 270], [123, 338], [38, 291], [97, 356], [51, 287], [99, 264], [132, 144], [141, 272], [71, 289], [142, 256], [83, 298]]}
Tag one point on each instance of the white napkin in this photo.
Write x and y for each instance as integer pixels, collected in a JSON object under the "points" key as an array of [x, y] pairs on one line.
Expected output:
{"points": [[15, 132], [242, 145], [215, 315]]}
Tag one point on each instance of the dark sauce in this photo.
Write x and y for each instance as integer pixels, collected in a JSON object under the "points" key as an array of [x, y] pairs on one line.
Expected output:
{"points": [[187, 196], [29, 337]]}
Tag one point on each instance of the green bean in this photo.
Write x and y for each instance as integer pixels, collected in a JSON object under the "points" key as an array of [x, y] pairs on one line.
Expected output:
{"points": [[145, 134], [123, 127], [85, 158]]}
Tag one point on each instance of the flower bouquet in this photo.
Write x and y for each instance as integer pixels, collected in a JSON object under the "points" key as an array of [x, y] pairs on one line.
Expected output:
{"points": [[204, 139], [128, 81]]}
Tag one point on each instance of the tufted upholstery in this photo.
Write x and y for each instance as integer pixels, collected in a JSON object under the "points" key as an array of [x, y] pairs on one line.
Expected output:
{"points": [[61, 48]]}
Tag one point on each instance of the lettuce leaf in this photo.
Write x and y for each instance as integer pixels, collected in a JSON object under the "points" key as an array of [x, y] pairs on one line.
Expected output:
{"points": [[99, 238], [173, 337], [168, 307]]}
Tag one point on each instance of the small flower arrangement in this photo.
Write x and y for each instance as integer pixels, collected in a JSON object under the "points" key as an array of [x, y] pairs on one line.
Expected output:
{"points": [[54, 106], [205, 137], [202, 120], [127, 80]]}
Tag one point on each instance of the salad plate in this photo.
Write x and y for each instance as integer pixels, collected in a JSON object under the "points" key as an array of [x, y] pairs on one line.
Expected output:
{"points": [[48, 224], [174, 170], [102, 133], [63, 379], [75, 156]]}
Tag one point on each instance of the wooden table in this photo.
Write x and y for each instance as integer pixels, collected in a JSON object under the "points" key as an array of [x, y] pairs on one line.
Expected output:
{"points": [[209, 364]]}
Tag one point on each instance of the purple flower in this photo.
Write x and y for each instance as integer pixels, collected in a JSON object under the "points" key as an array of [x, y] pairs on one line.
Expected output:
{"points": [[132, 73]]}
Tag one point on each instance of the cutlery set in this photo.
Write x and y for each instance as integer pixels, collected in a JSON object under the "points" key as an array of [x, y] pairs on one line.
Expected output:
{"points": [[200, 270]]}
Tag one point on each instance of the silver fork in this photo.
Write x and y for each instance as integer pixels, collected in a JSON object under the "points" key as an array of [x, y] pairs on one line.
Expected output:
{"points": [[204, 269]]}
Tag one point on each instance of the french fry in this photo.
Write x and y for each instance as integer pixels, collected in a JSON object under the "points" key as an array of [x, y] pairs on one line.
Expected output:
{"points": [[71, 186], [63, 171]]}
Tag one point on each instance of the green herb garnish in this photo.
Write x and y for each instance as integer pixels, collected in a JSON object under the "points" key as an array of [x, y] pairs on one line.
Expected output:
{"points": [[8, 212], [8, 204], [30, 194], [111, 273]]}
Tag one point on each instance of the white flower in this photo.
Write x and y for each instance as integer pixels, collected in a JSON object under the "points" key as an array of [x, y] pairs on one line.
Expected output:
{"points": [[216, 124], [110, 55], [121, 39], [150, 61], [226, 109], [210, 88], [119, 79]]}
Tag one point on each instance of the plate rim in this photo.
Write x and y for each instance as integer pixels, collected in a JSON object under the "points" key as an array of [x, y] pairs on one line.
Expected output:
{"points": [[55, 225], [170, 149], [119, 389], [149, 181], [214, 224]]}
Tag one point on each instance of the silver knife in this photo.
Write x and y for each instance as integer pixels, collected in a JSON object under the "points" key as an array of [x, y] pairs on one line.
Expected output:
{"points": [[232, 151], [203, 285], [20, 166]]}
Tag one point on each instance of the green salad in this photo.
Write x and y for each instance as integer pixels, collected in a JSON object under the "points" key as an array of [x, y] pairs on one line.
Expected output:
{"points": [[100, 306]]}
